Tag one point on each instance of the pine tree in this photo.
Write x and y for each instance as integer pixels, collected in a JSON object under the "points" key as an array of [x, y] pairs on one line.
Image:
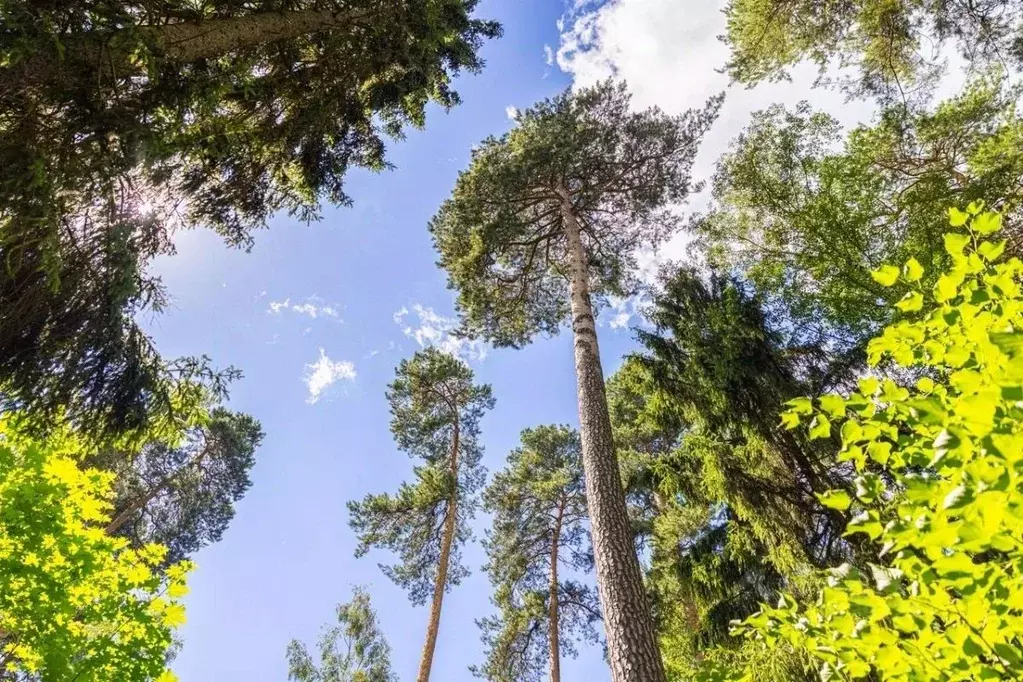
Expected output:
{"points": [[546, 219], [182, 495], [123, 121], [435, 413], [539, 507], [354, 650]]}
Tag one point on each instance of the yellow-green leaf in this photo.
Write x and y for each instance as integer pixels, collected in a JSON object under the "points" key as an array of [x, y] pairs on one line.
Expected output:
{"points": [[957, 218], [911, 302], [912, 270], [886, 275]]}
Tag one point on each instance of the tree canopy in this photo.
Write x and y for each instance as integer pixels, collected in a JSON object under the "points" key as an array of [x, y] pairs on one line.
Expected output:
{"points": [[75, 602], [353, 650], [895, 48], [937, 484], [181, 495], [500, 236], [805, 216], [538, 503], [123, 121]]}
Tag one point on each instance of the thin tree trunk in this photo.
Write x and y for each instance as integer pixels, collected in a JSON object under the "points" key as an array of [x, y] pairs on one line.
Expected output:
{"points": [[98, 59], [426, 663], [554, 633], [631, 639], [144, 499]]}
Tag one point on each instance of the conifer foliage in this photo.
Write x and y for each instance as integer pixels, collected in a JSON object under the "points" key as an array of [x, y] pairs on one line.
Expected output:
{"points": [[538, 535], [435, 412], [544, 224]]}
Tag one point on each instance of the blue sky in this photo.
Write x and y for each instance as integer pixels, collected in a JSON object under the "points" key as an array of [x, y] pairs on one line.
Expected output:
{"points": [[330, 292]]}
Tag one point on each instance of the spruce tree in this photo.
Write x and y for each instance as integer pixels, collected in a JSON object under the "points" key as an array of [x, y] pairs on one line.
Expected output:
{"points": [[121, 122], [544, 224], [435, 413], [539, 507]]}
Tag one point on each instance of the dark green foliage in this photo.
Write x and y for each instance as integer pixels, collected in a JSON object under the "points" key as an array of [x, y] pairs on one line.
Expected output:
{"points": [[894, 46], [354, 650], [122, 121], [725, 494], [538, 504], [806, 218], [433, 399], [500, 235], [183, 496]]}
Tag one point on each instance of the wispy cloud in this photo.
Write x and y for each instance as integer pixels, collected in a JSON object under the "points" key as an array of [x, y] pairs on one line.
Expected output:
{"points": [[324, 373], [511, 112], [313, 307], [548, 55], [428, 328]]}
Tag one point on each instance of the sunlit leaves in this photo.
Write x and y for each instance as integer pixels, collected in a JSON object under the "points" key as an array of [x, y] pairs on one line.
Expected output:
{"points": [[948, 508], [76, 603]]}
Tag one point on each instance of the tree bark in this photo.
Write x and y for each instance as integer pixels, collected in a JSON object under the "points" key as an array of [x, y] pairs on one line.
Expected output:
{"points": [[426, 662], [554, 633], [102, 58], [631, 639]]}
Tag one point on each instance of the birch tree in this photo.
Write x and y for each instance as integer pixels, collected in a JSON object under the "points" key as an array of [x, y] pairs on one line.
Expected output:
{"points": [[544, 225], [354, 650], [435, 413], [539, 528]]}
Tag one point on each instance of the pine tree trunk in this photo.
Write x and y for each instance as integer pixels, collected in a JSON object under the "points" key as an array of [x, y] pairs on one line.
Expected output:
{"points": [[95, 58], [554, 628], [631, 640], [426, 663]]}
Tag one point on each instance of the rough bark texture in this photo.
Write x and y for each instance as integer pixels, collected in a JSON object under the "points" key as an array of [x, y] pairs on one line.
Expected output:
{"points": [[93, 57], [439, 586], [631, 640], [554, 630]]}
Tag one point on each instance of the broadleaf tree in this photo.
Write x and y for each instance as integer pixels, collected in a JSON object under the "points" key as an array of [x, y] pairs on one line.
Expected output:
{"points": [[938, 455], [75, 602], [895, 48], [538, 503], [435, 417], [123, 121], [544, 224], [353, 650]]}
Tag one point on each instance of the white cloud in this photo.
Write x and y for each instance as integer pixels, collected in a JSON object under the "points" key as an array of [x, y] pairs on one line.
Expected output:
{"points": [[548, 55], [314, 307], [324, 373], [511, 112], [431, 329], [670, 55]]}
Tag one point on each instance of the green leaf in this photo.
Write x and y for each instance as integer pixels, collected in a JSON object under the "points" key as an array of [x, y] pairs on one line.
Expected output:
{"points": [[880, 452], [833, 404], [946, 288], [801, 405], [990, 250], [955, 243], [957, 218], [912, 270], [886, 275], [820, 427], [835, 499], [1010, 343], [911, 302], [789, 419], [986, 223]]}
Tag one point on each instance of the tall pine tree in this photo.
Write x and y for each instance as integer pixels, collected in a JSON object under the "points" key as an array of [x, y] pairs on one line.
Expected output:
{"points": [[546, 219], [435, 413], [539, 507]]}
